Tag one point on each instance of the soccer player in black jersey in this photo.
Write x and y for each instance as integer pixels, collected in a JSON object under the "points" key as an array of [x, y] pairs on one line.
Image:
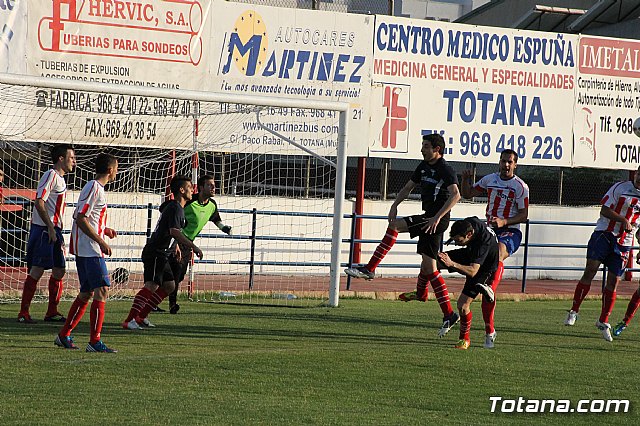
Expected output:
{"points": [[439, 189], [199, 211], [159, 279], [478, 261]]}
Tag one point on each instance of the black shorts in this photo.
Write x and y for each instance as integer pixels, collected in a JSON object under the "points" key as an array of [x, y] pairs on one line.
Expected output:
{"points": [[428, 244], [484, 276], [157, 269], [180, 267]]}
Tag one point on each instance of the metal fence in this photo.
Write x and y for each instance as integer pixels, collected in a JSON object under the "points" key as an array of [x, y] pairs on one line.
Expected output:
{"points": [[547, 185]]}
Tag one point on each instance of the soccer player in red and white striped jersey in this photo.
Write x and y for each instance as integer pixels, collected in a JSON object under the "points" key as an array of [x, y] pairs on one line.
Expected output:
{"points": [[610, 244], [507, 207], [45, 249], [88, 245]]}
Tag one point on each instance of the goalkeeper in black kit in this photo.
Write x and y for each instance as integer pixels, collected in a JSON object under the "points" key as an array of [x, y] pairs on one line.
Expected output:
{"points": [[198, 212]]}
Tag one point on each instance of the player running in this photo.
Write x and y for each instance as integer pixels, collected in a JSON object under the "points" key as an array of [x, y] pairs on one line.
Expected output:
{"points": [[610, 244], [507, 208]]}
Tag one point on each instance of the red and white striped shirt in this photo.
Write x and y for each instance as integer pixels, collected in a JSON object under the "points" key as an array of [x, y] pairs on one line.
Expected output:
{"points": [[506, 198], [52, 189], [92, 202], [624, 199]]}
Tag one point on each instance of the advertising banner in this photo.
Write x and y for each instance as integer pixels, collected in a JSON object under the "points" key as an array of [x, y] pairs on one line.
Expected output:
{"points": [[483, 89], [607, 104], [143, 43], [295, 53], [13, 24]]}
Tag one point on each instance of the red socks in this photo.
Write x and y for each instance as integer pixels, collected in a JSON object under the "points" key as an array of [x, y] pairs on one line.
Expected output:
{"points": [[383, 248], [488, 309], [632, 307], [422, 292], [139, 302], [96, 316], [55, 293], [608, 300], [441, 292], [465, 325], [73, 318], [578, 296], [28, 291], [154, 300]]}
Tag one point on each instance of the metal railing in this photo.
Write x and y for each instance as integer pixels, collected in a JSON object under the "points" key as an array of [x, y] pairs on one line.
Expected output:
{"points": [[253, 237], [526, 245]]}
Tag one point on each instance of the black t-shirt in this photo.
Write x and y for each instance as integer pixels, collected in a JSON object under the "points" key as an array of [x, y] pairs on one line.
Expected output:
{"points": [[171, 216], [483, 247], [434, 181]]}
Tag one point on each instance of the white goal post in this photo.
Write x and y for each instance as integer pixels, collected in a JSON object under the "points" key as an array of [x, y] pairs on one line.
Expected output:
{"points": [[39, 112]]}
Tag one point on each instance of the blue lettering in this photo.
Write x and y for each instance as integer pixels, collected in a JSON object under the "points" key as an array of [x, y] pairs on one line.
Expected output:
{"points": [[494, 109], [359, 61], [302, 59], [324, 70], [271, 67], [393, 38], [338, 76], [252, 47], [288, 60], [381, 36]]}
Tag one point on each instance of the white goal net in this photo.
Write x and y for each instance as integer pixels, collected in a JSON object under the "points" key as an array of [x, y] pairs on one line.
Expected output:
{"points": [[278, 165]]}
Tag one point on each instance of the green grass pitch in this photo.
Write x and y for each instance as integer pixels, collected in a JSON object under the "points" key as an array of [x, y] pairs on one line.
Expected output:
{"points": [[365, 362]]}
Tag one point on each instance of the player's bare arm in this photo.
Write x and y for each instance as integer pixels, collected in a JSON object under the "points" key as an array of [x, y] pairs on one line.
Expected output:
{"points": [[468, 270], [521, 217], [432, 223], [181, 239], [402, 195], [83, 224], [42, 212], [610, 214], [466, 188]]}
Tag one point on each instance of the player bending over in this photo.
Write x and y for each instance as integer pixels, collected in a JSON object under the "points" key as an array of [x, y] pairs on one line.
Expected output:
{"points": [[478, 261]]}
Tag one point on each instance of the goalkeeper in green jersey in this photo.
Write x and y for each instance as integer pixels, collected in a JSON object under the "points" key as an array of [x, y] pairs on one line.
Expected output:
{"points": [[198, 212]]}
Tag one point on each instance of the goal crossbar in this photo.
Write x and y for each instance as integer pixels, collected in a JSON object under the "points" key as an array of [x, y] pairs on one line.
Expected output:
{"points": [[340, 107]]}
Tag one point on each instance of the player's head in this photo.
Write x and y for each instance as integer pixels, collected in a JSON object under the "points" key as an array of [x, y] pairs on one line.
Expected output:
{"points": [[636, 178], [1, 175], [508, 163], [206, 186], [461, 232], [432, 147], [181, 187], [64, 157], [106, 164]]}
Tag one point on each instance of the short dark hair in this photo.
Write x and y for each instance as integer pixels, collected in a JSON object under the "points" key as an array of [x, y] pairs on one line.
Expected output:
{"points": [[510, 152], [177, 182], [104, 161], [436, 140], [202, 179], [460, 228], [58, 151]]}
